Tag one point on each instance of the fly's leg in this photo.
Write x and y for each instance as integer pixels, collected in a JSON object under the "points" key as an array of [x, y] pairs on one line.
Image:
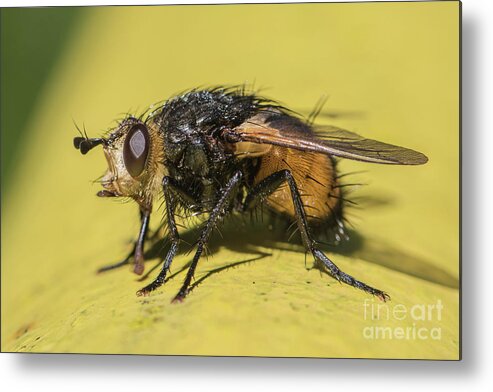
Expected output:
{"points": [[139, 245], [214, 217], [268, 186], [169, 188], [138, 249]]}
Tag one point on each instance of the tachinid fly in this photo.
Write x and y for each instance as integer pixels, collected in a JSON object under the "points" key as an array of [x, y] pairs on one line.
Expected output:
{"points": [[222, 151]]}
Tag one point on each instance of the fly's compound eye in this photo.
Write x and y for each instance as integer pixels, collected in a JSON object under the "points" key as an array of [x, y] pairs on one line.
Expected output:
{"points": [[136, 150]]}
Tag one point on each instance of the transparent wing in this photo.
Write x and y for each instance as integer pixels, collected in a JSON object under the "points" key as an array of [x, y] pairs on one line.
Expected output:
{"points": [[353, 146], [326, 140]]}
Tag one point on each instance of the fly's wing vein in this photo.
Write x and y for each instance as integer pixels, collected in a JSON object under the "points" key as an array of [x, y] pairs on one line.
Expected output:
{"points": [[327, 140]]}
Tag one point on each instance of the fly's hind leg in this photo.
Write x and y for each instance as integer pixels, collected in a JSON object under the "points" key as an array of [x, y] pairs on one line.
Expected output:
{"points": [[138, 249], [271, 183]]}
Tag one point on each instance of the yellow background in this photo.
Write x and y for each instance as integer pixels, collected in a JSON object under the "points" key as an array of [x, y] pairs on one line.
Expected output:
{"points": [[391, 67]]}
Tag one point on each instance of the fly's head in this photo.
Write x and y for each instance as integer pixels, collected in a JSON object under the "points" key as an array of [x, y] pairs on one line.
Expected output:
{"points": [[134, 153]]}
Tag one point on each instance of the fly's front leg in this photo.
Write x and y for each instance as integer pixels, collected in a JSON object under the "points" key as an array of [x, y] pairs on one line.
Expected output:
{"points": [[218, 210], [138, 248], [139, 245], [266, 187], [169, 188]]}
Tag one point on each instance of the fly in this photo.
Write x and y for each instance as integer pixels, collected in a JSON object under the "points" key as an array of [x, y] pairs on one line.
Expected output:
{"points": [[222, 151]]}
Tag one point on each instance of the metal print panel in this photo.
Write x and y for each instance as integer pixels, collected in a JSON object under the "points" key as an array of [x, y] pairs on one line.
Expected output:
{"points": [[273, 180]]}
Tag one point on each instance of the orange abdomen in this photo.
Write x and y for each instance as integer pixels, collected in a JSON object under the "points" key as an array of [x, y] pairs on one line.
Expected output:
{"points": [[315, 176]]}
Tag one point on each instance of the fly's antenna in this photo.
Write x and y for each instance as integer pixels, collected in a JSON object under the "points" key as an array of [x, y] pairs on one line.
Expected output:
{"points": [[84, 143]]}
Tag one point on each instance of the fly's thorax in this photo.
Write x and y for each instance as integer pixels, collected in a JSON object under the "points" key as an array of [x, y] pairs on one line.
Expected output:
{"points": [[190, 156], [194, 153], [134, 153]]}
